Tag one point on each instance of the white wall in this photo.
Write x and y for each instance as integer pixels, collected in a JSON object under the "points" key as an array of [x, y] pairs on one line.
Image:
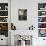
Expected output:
{"points": [[22, 26], [32, 14]]}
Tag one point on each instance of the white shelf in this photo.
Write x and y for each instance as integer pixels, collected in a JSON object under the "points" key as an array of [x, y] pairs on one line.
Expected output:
{"points": [[41, 28], [41, 22], [41, 10], [3, 22], [42, 16], [3, 16], [3, 10]]}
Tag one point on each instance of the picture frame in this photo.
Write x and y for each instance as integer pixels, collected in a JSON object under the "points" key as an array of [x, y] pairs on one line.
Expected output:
{"points": [[22, 14]]}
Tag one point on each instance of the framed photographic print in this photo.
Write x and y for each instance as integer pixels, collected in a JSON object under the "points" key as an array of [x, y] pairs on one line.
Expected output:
{"points": [[22, 14]]}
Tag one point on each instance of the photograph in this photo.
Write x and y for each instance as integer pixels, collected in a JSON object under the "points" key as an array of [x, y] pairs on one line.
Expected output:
{"points": [[22, 14]]}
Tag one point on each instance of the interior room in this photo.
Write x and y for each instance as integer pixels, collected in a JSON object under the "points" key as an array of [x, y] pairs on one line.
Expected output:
{"points": [[22, 22]]}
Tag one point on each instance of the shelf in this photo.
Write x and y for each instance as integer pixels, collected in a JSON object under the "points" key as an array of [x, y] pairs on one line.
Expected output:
{"points": [[41, 22], [41, 10], [41, 28], [3, 10], [3, 22], [42, 16], [3, 16], [41, 19], [4, 19]]}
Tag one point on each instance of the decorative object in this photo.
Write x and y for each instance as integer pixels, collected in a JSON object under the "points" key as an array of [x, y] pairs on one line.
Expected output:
{"points": [[42, 32], [6, 7], [3, 19], [41, 19], [27, 39], [43, 13], [31, 27], [41, 6], [22, 14], [3, 13], [22, 43], [13, 27], [41, 25], [23, 40], [0, 7], [3, 6]]}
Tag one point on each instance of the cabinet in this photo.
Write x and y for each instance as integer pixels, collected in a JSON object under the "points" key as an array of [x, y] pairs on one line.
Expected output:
{"points": [[42, 19], [3, 40], [4, 19]]}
